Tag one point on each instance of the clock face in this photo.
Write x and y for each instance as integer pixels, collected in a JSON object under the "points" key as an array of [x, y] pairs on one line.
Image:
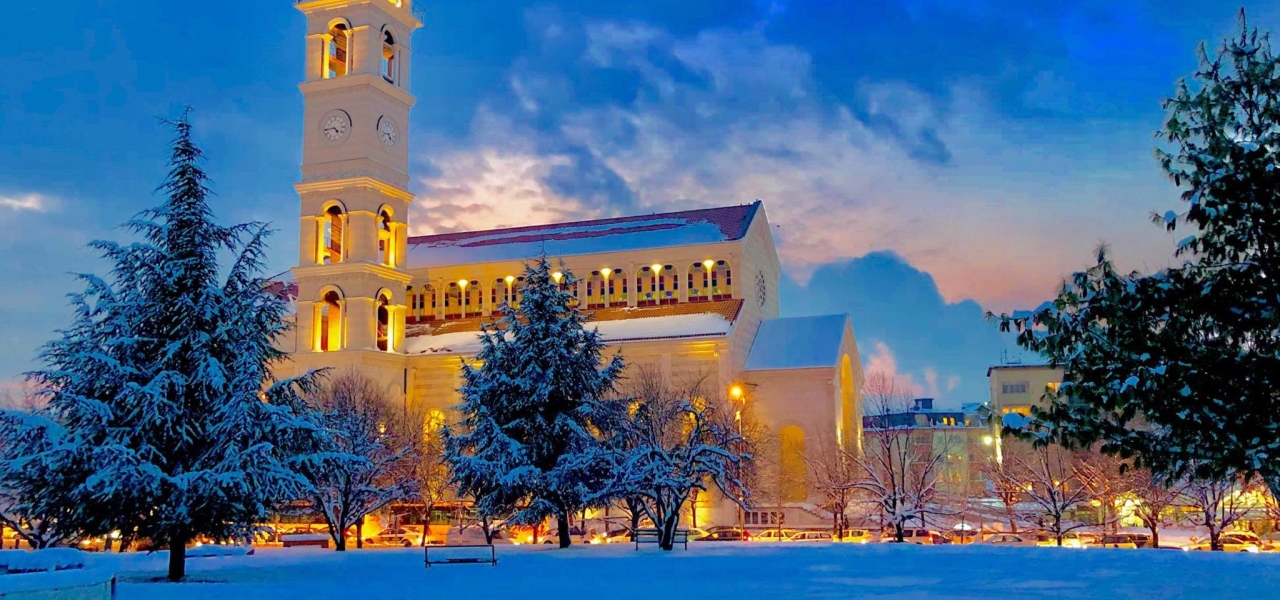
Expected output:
{"points": [[387, 132], [336, 125]]}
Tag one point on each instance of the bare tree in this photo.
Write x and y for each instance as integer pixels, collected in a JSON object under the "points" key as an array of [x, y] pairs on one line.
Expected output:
{"points": [[1220, 503], [1050, 483], [1155, 494], [1107, 479], [675, 441], [426, 460], [1002, 485], [899, 470], [835, 473], [361, 465]]}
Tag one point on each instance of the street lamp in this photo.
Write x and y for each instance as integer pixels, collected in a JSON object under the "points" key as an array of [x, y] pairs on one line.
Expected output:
{"points": [[735, 392]]}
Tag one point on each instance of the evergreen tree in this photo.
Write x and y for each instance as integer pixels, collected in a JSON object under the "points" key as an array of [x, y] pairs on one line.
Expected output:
{"points": [[1180, 370], [164, 420], [525, 445]]}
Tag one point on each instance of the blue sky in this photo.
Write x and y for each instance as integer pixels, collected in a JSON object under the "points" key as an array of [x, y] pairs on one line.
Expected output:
{"points": [[924, 160]]}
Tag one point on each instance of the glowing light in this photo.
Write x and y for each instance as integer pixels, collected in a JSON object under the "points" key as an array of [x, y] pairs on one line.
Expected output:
{"points": [[708, 263], [735, 392], [510, 279], [606, 272], [988, 440], [656, 268], [462, 283], [557, 276]]}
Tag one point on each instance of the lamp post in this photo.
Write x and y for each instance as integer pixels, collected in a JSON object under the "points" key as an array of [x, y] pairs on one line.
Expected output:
{"points": [[736, 393]]}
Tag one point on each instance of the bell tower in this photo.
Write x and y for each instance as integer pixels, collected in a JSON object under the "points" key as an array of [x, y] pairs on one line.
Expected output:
{"points": [[354, 189]]}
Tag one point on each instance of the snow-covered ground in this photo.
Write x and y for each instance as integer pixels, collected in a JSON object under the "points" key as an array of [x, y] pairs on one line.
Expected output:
{"points": [[719, 570]]}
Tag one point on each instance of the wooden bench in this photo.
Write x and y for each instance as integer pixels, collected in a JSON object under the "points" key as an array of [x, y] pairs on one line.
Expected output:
{"points": [[653, 536], [476, 555], [292, 540]]}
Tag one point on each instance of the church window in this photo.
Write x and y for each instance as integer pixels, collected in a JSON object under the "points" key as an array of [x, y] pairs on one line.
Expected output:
{"points": [[473, 300], [618, 284], [329, 323], [388, 57], [386, 239], [337, 54], [331, 235], [384, 322], [453, 301], [721, 281], [595, 290], [517, 292], [429, 302], [795, 487]]}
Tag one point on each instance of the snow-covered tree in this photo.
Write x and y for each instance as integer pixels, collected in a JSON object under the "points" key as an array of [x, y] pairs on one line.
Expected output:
{"points": [[1220, 503], [900, 471], [1000, 484], [1052, 487], [835, 473], [525, 444], [164, 419], [1107, 479], [672, 440], [429, 467], [362, 462], [1154, 494], [1180, 370]]}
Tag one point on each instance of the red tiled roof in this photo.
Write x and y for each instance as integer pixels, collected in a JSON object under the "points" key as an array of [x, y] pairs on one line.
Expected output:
{"points": [[728, 309], [732, 222]]}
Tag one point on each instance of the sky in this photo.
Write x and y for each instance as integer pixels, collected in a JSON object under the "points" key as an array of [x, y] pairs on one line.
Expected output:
{"points": [[923, 161]]}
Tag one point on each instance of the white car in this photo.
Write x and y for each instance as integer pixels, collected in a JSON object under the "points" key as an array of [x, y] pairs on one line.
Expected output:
{"points": [[773, 535], [1235, 541], [1011, 539], [396, 536], [811, 536]]}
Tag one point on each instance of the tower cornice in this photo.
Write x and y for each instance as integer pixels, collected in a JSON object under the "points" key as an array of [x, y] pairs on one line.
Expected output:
{"points": [[334, 185]]}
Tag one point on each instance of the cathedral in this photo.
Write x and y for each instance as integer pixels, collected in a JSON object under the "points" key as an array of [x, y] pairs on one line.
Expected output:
{"points": [[688, 293]]}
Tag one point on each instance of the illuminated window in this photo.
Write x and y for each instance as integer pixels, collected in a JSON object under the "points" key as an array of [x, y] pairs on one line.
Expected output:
{"points": [[388, 57], [384, 322], [721, 281], [618, 285], [337, 54], [331, 235], [328, 322], [386, 239], [1017, 387], [429, 302], [795, 487]]}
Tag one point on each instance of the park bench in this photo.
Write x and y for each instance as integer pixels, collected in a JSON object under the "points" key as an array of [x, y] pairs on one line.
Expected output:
{"points": [[293, 540], [653, 536], [460, 554]]}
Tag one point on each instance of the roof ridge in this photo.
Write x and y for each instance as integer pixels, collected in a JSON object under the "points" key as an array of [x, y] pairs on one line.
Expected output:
{"points": [[750, 209]]}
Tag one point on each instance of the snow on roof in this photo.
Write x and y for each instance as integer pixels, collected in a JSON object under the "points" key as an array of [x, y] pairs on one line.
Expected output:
{"points": [[701, 226], [624, 330], [797, 343]]}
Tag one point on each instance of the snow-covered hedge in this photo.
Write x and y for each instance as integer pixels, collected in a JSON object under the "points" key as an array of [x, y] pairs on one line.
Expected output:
{"points": [[52, 559], [52, 573]]}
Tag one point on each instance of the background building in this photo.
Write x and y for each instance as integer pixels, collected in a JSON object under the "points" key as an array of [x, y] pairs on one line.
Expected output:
{"points": [[1016, 388]]}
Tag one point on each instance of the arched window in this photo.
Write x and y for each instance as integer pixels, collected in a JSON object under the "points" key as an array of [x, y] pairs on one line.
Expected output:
{"points": [[699, 281], [415, 303], [619, 286], [331, 235], [386, 239], [429, 302], [721, 281], [388, 57], [566, 285], [328, 322], [795, 485], [658, 285], [383, 321], [473, 301], [498, 293], [517, 292], [596, 295], [453, 301], [337, 54]]}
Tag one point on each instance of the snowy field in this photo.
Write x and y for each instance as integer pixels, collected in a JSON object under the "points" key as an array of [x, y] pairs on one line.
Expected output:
{"points": [[721, 570]]}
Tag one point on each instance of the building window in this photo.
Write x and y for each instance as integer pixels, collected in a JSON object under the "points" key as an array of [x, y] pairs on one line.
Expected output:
{"points": [[429, 302], [329, 323], [337, 55], [384, 322], [388, 57], [794, 470], [331, 236], [618, 285], [386, 239], [1017, 387]]}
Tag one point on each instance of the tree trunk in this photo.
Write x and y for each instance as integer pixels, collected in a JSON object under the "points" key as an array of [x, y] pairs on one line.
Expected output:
{"points": [[562, 529], [178, 539], [667, 539], [359, 534], [1155, 535]]}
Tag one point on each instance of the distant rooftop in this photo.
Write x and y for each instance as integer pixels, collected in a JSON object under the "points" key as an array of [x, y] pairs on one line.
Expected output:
{"points": [[683, 228], [1017, 367]]}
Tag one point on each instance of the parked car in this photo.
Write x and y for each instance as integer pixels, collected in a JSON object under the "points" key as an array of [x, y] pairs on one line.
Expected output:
{"points": [[773, 535], [1121, 540], [1010, 539], [1070, 539], [855, 536], [913, 535], [1142, 540], [725, 535], [811, 536], [396, 536], [1235, 541], [962, 537]]}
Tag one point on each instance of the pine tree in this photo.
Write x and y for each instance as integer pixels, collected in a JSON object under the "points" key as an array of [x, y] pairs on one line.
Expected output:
{"points": [[164, 420], [525, 444], [1180, 370]]}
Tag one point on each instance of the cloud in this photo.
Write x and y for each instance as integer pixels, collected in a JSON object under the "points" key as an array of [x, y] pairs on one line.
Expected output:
{"points": [[30, 202], [881, 362], [622, 117]]}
